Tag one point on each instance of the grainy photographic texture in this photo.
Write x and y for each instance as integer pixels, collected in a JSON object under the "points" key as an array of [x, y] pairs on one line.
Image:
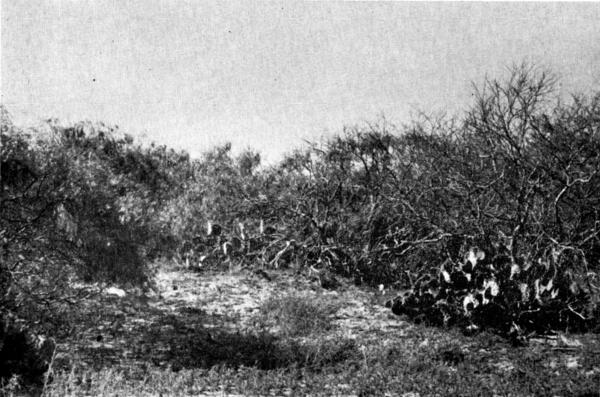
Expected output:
{"points": [[299, 198]]}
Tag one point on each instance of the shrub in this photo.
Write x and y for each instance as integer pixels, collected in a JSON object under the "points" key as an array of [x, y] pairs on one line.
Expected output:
{"points": [[297, 315], [62, 217]]}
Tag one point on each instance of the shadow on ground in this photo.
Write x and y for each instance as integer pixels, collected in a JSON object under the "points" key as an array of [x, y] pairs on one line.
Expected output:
{"points": [[261, 350]]}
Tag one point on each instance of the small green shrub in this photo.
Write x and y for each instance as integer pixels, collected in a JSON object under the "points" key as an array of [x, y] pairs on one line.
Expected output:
{"points": [[297, 315]]}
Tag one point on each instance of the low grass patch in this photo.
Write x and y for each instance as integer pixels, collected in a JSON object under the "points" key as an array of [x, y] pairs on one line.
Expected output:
{"points": [[426, 362]]}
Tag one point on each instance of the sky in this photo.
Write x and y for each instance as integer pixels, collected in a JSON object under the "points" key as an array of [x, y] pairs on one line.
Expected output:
{"points": [[269, 75]]}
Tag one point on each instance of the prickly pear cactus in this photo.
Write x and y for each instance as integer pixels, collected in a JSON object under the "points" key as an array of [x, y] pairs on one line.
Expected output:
{"points": [[494, 291]]}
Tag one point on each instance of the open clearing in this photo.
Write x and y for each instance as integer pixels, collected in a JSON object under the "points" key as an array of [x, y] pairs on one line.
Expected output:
{"points": [[281, 333]]}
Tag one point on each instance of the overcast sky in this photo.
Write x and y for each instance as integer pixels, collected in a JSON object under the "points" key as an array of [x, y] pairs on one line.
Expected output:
{"points": [[269, 74]]}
